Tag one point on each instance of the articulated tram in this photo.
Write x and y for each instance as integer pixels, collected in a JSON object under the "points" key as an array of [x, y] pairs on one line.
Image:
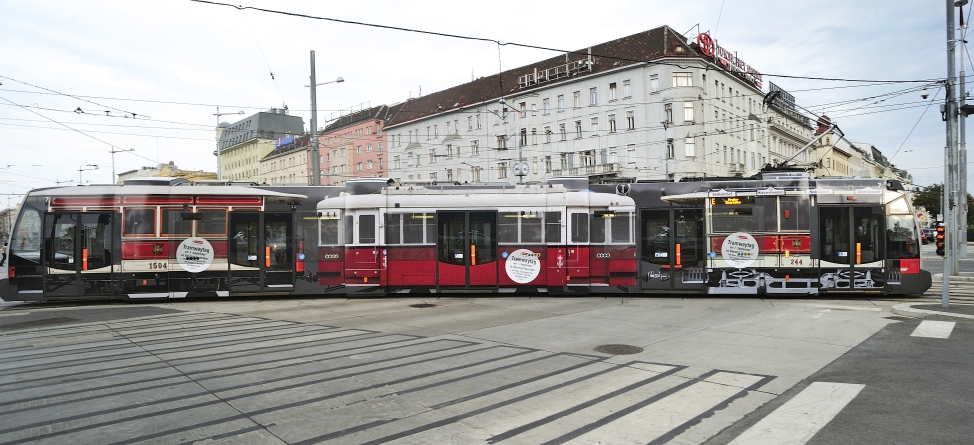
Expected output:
{"points": [[776, 233]]}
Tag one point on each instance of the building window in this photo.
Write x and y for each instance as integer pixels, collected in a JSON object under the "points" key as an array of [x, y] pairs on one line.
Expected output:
{"points": [[654, 82], [502, 170], [433, 176], [682, 80], [449, 151], [595, 126], [534, 136], [469, 123], [358, 166], [370, 165], [688, 112], [456, 126], [380, 147], [577, 99], [669, 149], [626, 89], [449, 174], [429, 133], [668, 113], [396, 163], [546, 105], [562, 131], [478, 121], [630, 120], [612, 91], [501, 143], [612, 123], [358, 149], [523, 139], [474, 147], [547, 164], [593, 96], [547, 134], [561, 102], [578, 129], [689, 148], [432, 156], [379, 163]]}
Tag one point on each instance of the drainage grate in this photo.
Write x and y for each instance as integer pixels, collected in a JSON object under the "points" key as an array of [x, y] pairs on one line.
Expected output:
{"points": [[618, 349], [422, 305]]}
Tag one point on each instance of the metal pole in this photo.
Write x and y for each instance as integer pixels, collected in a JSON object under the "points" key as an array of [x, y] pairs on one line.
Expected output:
{"points": [[949, 186], [219, 168], [961, 213], [315, 165]]}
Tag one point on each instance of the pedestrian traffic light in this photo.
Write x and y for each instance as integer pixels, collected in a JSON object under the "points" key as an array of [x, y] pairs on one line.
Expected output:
{"points": [[941, 240]]}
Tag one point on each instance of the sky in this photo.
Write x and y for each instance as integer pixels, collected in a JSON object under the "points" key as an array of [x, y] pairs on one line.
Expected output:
{"points": [[172, 64]]}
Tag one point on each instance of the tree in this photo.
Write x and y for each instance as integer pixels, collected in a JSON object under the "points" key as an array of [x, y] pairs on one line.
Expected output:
{"points": [[929, 198]]}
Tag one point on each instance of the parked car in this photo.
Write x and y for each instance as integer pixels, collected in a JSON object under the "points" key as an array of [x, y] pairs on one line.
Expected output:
{"points": [[928, 235]]}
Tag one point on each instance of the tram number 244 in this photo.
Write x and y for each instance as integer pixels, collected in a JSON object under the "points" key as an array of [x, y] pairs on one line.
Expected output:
{"points": [[796, 262]]}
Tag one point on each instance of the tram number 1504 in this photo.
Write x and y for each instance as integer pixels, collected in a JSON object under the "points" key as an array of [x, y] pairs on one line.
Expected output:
{"points": [[157, 266]]}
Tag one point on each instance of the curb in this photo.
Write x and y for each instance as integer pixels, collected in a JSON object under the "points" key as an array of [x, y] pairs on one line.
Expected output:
{"points": [[907, 309], [953, 278]]}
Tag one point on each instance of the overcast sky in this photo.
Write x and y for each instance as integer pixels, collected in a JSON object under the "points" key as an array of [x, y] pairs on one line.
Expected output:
{"points": [[172, 62]]}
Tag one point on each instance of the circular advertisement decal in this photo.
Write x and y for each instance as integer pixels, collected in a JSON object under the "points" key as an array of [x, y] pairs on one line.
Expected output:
{"points": [[194, 254], [739, 249], [522, 266]]}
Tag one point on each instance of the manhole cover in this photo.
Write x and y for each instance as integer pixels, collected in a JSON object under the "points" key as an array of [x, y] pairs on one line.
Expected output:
{"points": [[422, 305], [618, 349]]}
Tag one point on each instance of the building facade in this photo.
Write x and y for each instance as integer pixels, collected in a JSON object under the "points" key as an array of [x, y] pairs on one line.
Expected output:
{"points": [[653, 105], [354, 146], [244, 143], [288, 162]]}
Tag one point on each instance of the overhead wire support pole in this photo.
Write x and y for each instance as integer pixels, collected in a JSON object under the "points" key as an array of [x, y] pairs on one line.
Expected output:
{"points": [[961, 213], [315, 164], [950, 187]]}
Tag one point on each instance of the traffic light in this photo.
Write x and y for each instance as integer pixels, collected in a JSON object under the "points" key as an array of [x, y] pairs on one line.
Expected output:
{"points": [[941, 240]]}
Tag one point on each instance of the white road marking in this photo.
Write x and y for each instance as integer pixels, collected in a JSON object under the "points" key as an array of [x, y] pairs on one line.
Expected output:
{"points": [[840, 307], [800, 418], [934, 329]]}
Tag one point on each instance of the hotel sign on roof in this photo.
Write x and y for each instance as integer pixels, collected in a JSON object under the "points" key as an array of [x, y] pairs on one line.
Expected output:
{"points": [[728, 60]]}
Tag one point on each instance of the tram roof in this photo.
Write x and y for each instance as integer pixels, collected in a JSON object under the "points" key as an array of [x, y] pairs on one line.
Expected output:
{"points": [[143, 190], [462, 198]]}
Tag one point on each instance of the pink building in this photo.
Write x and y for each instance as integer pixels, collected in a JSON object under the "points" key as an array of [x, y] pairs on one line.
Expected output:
{"points": [[355, 146]]}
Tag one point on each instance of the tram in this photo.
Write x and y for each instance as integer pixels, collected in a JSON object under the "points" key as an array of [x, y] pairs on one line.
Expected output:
{"points": [[778, 233]]}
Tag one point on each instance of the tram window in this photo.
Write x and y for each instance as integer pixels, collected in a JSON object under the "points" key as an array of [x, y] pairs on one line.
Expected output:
{"points": [[743, 214], [621, 225], [793, 214], [901, 237], [349, 226], [140, 222], [212, 223], [552, 227], [61, 254], [174, 224], [597, 229], [531, 228], [507, 227], [328, 231], [579, 227], [412, 228], [898, 207], [366, 229], [393, 228], [27, 236], [430, 228]]}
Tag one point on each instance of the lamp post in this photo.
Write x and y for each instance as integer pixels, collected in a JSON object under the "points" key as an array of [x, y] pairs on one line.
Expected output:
{"points": [[83, 169], [315, 163], [219, 166], [113, 151]]}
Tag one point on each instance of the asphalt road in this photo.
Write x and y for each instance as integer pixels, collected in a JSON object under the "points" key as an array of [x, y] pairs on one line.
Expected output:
{"points": [[482, 371]]}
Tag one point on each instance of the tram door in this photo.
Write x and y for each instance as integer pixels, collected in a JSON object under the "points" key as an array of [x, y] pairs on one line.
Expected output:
{"points": [[79, 254], [466, 249], [850, 238], [260, 252], [672, 245]]}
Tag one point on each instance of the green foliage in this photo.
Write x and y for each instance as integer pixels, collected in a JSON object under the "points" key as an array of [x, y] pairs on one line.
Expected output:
{"points": [[929, 198]]}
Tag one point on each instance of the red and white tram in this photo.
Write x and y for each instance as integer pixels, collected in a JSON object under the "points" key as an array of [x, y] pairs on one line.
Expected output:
{"points": [[538, 238]]}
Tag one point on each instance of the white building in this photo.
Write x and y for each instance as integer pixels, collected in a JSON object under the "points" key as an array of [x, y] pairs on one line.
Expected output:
{"points": [[652, 105]]}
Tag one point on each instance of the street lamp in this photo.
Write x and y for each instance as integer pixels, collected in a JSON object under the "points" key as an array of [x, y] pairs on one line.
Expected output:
{"points": [[219, 167], [315, 163], [83, 169], [113, 151]]}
